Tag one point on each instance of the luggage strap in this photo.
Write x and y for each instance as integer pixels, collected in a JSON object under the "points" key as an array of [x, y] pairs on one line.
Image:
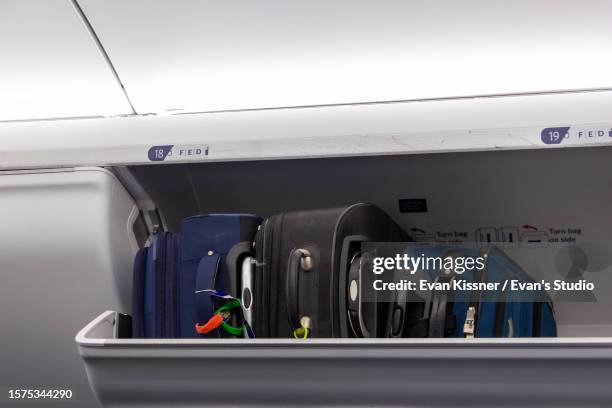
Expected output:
{"points": [[207, 270], [222, 315], [438, 317]]}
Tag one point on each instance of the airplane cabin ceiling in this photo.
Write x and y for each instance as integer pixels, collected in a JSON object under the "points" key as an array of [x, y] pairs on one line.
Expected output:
{"points": [[191, 55], [196, 55], [49, 65]]}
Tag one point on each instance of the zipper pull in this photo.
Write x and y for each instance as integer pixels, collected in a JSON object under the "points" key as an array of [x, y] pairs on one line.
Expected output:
{"points": [[510, 327], [469, 327]]}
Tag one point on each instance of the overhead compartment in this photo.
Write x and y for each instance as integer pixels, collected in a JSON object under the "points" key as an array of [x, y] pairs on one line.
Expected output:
{"points": [[494, 168], [558, 196]]}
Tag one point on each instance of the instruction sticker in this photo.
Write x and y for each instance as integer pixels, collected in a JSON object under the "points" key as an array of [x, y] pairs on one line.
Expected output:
{"points": [[178, 152], [576, 135]]}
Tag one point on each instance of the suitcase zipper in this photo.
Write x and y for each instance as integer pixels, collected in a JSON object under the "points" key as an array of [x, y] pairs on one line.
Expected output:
{"points": [[162, 289], [160, 267], [263, 312], [263, 250], [271, 265], [170, 301], [257, 279], [500, 313]]}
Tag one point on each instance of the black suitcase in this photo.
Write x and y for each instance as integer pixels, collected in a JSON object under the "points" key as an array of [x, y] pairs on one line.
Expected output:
{"points": [[303, 263]]}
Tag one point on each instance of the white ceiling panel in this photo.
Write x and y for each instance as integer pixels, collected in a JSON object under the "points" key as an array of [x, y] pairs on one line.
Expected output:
{"points": [[197, 55], [49, 65]]}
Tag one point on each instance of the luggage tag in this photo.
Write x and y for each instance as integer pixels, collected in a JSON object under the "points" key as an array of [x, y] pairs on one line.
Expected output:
{"points": [[303, 331], [222, 315]]}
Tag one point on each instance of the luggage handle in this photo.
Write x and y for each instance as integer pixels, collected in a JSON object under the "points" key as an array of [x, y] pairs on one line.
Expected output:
{"points": [[351, 245], [396, 316], [299, 259], [233, 261], [355, 309]]}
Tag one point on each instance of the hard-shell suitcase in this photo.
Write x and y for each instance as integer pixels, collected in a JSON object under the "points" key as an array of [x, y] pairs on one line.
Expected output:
{"points": [[300, 286], [206, 242], [475, 313]]}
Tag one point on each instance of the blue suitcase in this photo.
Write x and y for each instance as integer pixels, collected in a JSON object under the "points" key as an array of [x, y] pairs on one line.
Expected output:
{"points": [[171, 282], [154, 288], [206, 243], [472, 313]]}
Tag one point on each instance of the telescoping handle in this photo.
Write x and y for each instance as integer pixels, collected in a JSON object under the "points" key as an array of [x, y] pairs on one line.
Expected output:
{"points": [[234, 262], [299, 260]]}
